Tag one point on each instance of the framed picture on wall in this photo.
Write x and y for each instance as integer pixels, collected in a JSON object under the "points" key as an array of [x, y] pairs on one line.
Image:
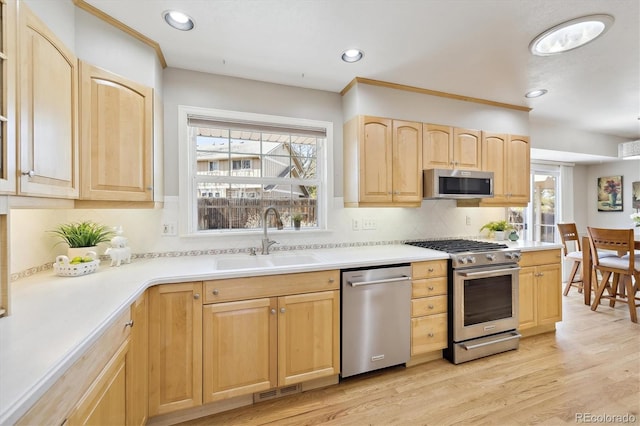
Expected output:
{"points": [[610, 194], [635, 195]]}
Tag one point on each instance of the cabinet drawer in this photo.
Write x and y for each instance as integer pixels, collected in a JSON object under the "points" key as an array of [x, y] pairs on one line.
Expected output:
{"points": [[270, 285], [428, 334], [540, 257], [428, 306], [429, 287], [432, 268]]}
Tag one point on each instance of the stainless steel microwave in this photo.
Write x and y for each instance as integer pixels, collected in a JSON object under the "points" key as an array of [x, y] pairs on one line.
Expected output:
{"points": [[457, 184]]}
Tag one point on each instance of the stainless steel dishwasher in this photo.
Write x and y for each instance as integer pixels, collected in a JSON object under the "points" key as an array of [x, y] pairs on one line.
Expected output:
{"points": [[376, 318]]}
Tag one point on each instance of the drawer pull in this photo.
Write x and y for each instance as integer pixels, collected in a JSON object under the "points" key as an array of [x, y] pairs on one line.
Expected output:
{"points": [[331, 280], [431, 288], [430, 269], [196, 296], [431, 306], [431, 334], [129, 324], [215, 292]]}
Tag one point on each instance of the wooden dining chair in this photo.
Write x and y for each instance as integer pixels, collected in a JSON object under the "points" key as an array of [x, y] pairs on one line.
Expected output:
{"points": [[625, 267], [571, 249]]}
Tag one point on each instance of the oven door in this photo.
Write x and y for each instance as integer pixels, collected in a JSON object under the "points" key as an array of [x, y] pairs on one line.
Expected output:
{"points": [[485, 301]]}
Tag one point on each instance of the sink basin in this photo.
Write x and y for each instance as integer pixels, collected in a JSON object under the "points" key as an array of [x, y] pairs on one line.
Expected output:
{"points": [[272, 260]]}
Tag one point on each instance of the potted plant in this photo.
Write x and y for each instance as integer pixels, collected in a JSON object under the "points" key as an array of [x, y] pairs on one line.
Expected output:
{"points": [[497, 228], [297, 219], [82, 237]]}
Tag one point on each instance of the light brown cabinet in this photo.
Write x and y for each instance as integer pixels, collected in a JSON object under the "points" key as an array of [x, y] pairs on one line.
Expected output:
{"points": [[260, 343], [8, 63], [446, 147], [507, 156], [48, 105], [382, 162], [428, 307], [540, 290], [116, 152], [138, 364], [175, 347]]}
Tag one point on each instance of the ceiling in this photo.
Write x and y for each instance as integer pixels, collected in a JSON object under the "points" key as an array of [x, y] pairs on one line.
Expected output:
{"points": [[476, 48]]}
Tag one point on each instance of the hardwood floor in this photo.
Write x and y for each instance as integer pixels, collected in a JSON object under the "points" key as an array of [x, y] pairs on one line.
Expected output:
{"points": [[589, 367]]}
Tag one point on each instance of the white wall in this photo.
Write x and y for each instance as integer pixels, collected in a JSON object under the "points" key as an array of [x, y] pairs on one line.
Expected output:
{"points": [[545, 135]]}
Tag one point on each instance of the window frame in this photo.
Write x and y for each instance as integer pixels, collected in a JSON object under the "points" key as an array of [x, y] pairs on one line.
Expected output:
{"points": [[187, 168]]}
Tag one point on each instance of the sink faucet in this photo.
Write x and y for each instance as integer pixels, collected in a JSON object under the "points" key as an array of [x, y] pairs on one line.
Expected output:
{"points": [[266, 242]]}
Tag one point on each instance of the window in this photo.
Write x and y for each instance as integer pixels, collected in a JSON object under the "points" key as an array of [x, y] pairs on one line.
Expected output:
{"points": [[249, 162]]}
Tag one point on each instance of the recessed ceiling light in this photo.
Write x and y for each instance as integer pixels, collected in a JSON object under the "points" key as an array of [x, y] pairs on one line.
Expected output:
{"points": [[535, 93], [178, 20], [352, 55], [570, 35]]}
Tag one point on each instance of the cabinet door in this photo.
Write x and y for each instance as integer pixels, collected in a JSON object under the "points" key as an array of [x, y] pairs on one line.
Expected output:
{"points": [[428, 333], [466, 149], [48, 112], [138, 374], [308, 336], [407, 161], [549, 283], [437, 145], [175, 347], [528, 296], [104, 403], [494, 151], [518, 167], [375, 147], [117, 140], [8, 64], [239, 348]]}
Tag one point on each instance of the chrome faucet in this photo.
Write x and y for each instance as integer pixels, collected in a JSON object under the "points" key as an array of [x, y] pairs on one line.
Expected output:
{"points": [[266, 242]]}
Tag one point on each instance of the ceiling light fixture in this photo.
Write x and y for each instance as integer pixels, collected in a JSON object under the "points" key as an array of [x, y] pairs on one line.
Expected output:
{"points": [[178, 20], [352, 55], [570, 35], [535, 93]]}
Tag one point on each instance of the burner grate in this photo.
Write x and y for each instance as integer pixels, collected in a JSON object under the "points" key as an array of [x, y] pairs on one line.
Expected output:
{"points": [[458, 245]]}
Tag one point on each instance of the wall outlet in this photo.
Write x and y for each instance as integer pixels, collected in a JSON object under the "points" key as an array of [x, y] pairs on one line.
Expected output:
{"points": [[355, 224], [468, 220], [368, 223], [168, 229]]}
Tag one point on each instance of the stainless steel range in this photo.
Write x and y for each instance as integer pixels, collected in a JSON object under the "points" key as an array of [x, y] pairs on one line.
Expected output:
{"points": [[482, 297]]}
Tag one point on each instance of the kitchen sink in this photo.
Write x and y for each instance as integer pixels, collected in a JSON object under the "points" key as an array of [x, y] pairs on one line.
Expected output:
{"points": [[259, 261]]}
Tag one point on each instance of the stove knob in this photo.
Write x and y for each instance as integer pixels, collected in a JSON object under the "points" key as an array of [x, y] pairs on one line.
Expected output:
{"points": [[516, 256], [509, 255], [462, 260], [471, 259], [491, 257]]}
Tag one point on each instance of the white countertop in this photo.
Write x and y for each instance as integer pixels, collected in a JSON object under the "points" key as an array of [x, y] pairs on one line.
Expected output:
{"points": [[55, 320]]}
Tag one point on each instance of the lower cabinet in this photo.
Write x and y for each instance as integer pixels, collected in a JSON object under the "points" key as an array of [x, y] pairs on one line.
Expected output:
{"points": [[428, 307], [540, 290]]}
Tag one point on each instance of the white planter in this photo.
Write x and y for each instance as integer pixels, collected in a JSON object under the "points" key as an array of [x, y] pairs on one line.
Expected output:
{"points": [[82, 252], [499, 235]]}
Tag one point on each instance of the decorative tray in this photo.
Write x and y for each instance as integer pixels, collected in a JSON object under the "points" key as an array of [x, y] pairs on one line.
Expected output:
{"points": [[63, 268]]}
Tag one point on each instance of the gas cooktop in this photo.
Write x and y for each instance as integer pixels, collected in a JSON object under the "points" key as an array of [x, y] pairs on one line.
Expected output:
{"points": [[458, 245]]}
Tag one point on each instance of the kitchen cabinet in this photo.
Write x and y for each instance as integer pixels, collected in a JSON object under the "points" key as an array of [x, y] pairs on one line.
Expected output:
{"points": [[116, 150], [266, 332], [382, 162], [447, 147], [48, 119], [175, 347], [507, 156], [97, 388], [8, 63], [138, 364], [428, 308], [540, 290]]}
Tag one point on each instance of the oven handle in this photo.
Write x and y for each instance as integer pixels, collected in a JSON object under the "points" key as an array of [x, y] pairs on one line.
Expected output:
{"points": [[489, 273], [372, 282], [513, 335]]}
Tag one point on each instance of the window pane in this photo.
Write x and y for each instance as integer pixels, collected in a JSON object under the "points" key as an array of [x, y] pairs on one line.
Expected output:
{"points": [[276, 166], [212, 150]]}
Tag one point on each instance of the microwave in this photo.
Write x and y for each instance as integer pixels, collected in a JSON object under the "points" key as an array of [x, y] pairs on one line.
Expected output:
{"points": [[457, 184]]}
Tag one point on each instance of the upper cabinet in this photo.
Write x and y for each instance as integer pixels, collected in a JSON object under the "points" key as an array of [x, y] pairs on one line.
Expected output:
{"points": [[447, 147], [382, 162], [8, 64], [48, 148], [508, 157], [116, 117]]}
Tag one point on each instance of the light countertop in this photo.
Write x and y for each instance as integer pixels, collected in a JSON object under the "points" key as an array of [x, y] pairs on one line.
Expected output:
{"points": [[54, 320]]}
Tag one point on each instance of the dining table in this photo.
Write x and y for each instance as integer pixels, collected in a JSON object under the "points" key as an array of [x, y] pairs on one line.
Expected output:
{"points": [[587, 265]]}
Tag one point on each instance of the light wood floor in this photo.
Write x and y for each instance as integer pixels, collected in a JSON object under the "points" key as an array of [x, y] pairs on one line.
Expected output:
{"points": [[590, 365]]}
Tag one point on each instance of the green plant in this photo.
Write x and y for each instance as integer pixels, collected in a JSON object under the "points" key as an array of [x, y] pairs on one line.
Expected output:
{"points": [[498, 225], [297, 217], [83, 234]]}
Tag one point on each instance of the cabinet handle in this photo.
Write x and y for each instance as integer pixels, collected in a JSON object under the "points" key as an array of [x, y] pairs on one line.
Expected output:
{"points": [[331, 280], [215, 292], [273, 311], [282, 310], [149, 188], [30, 173], [196, 296], [431, 288], [129, 324], [430, 306], [431, 334], [430, 269]]}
